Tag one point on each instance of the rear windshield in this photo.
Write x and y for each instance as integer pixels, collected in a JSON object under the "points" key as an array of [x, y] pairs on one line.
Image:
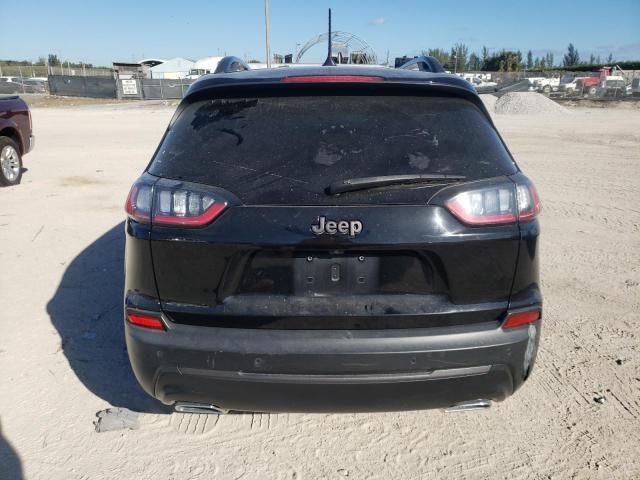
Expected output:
{"points": [[287, 150]]}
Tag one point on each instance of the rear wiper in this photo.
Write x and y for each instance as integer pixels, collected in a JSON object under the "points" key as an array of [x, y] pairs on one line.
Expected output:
{"points": [[363, 183]]}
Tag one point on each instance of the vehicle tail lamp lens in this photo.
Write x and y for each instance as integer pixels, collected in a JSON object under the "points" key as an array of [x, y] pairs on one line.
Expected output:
{"points": [[496, 205], [186, 208], [145, 321], [172, 206], [520, 319], [528, 201], [485, 206], [138, 204]]}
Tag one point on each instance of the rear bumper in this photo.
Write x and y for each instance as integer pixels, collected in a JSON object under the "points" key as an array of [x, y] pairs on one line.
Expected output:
{"points": [[331, 370]]}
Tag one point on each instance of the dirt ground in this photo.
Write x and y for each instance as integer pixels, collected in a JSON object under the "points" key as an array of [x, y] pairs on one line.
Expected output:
{"points": [[62, 355]]}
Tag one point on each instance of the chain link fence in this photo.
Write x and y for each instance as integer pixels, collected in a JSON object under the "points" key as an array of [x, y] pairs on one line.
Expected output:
{"points": [[76, 86], [152, 89], [618, 84], [104, 83], [165, 88], [43, 71]]}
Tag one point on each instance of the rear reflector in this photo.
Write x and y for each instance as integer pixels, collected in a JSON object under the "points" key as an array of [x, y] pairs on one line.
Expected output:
{"points": [[520, 319], [145, 321], [332, 79]]}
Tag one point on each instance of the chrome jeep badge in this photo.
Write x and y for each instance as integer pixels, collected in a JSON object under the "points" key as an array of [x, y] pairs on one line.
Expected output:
{"points": [[331, 227]]}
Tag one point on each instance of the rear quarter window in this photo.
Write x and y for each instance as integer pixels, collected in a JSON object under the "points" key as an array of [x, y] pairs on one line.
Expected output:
{"points": [[287, 150]]}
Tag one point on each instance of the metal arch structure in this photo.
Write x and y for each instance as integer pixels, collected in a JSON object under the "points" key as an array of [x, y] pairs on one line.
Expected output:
{"points": [[342, 42]]}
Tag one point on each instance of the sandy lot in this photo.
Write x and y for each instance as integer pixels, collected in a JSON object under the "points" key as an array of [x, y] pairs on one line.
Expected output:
{"points": [[62, 355]]}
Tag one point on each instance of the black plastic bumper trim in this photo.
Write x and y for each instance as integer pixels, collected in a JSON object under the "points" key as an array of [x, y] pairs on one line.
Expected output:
{"points": [[332, 379]]}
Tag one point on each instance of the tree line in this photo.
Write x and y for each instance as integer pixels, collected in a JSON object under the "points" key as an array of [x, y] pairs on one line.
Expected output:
{"points": [[50, 60], [459, 59]]}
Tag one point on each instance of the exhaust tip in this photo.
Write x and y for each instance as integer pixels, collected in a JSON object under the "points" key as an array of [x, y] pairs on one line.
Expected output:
{"points": [[479, 404], [191, 407]]}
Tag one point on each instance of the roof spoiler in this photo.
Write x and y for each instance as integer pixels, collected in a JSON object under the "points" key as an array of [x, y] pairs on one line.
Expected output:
{"points": [[231, 64], [424, 63]]}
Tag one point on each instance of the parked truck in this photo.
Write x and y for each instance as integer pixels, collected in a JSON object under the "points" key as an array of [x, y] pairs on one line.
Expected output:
{"points": [[16, 138], [588, 85], [612, 86], [593, 83], [547, 85]]}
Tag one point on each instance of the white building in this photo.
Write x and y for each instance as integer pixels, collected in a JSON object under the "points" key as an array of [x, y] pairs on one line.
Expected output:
{"points": [[204, 66], [172, 69]]}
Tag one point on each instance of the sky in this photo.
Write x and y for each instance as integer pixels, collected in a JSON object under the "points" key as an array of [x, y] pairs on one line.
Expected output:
{"points": [[100, 32]]}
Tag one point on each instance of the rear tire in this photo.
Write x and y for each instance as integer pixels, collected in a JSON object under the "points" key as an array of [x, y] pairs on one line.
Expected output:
{"points": [[591, 91], [10, 162]]}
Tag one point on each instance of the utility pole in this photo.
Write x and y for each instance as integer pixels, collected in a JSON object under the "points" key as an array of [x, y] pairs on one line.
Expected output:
{"points": [[267, 33]]}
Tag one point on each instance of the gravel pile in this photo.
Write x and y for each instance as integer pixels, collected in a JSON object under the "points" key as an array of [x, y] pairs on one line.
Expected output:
{"points": [[526, 103], [489, 102]]}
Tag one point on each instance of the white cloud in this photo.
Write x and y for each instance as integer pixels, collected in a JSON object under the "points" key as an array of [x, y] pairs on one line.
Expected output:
{"points": [[376, 21]]}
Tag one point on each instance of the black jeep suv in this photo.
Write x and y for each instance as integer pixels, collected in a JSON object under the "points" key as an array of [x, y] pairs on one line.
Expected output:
{"points": [[331, 239]]}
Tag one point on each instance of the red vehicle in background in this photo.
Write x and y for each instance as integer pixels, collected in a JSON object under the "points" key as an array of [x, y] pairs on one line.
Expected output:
{"points": [[588, 85], [16, 138]]}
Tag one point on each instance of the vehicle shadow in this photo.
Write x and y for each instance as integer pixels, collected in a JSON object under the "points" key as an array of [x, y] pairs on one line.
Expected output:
{"points": [[10, 465], [86, 310]]}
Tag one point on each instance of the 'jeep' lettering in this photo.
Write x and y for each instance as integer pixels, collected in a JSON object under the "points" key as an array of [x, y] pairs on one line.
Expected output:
{"points": [[331, 227]]}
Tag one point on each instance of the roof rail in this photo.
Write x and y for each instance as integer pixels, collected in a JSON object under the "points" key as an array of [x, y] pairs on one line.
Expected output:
{"points": [[424, 63], [231, 64]]}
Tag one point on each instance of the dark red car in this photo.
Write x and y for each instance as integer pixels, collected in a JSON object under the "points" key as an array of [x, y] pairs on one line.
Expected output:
{"points": [[16, 138]]}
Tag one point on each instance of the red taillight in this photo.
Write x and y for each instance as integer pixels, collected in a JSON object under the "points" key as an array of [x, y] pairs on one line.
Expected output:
{"points": [[205, 217], [185, 207], [496, 205], [138, 204], [484, 206], [173, 203], [528, 201], [520, 319], [145, 320], [331, 78]]}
